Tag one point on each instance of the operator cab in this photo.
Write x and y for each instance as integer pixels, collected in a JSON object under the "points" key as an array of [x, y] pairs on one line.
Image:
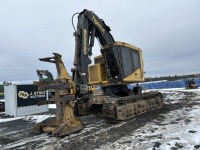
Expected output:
{"points": [[119, 63]]}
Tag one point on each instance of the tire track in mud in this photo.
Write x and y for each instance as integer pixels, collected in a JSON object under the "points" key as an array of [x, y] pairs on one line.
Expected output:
{"points": [[17, 134], [20, 139]]}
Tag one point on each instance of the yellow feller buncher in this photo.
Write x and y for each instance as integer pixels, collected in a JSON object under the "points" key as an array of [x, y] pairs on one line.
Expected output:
{"points": [[118, 65]]}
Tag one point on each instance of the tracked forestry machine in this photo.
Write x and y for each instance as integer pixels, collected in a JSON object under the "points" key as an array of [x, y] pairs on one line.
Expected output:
{"points": [[99, 87], [190, 84]]}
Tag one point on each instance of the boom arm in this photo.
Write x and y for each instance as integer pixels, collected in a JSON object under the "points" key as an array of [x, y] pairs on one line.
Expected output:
{"points": [[89, 26]]}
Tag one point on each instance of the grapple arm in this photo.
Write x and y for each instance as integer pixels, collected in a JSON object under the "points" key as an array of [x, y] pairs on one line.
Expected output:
{"points": [[63, 95]]}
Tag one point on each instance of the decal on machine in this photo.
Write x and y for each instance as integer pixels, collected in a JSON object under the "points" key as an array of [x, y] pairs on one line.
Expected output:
{"points": [[85, 42], [98, 24]]}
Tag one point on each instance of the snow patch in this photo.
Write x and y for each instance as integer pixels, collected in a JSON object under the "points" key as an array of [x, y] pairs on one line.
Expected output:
{"points": [[33, 118], [2, 100], [52, 106], [180, 129], [38, 118], [9, 119]]}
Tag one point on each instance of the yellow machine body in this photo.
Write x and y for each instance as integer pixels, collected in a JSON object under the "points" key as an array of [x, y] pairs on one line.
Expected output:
{"points": [[63, 96], [98, 72]]}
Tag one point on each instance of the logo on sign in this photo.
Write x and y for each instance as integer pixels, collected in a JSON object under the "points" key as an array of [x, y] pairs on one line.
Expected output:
{"points": [[23, 94], [36, 94]]}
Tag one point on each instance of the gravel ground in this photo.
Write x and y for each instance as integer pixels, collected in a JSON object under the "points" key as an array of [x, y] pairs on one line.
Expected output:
{"points": [[97, 133]]}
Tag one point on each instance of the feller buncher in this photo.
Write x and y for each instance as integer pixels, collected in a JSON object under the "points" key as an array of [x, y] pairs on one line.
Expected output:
{"points": [[118, 65]]}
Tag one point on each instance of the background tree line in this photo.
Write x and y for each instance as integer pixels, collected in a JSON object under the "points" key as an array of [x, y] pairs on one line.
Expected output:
{"points": [[172, 78]]}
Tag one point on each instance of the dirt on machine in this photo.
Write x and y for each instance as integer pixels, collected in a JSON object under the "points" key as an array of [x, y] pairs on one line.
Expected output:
{"points": [[101, 87]]}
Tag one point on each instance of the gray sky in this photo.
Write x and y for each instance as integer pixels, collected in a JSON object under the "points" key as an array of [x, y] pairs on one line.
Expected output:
{"points": [[167, 31]]}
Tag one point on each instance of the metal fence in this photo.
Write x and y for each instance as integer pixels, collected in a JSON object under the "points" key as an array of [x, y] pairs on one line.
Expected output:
{"points": [[164, 84]]}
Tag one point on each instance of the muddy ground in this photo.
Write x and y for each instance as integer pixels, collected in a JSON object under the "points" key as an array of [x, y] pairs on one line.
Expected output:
{"points": [[97, 132]]}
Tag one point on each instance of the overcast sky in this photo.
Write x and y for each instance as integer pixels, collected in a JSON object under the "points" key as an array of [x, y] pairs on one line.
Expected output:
{"points": [[167, 31]]}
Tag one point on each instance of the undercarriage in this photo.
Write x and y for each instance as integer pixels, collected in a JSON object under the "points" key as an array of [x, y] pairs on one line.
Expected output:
{"points": [[116, 108]]}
